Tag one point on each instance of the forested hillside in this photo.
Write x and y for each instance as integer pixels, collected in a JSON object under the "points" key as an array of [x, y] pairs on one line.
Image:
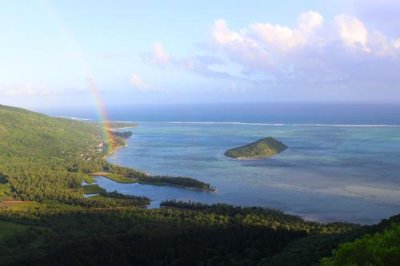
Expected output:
{"points": [[46, 220], [48, 158], [26, 134]]}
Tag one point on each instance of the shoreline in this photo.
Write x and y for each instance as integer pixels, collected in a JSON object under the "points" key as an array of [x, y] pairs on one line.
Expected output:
{"points": [[132, 159], [113, 151], [271, 124], [112, 128], [153, 180]]}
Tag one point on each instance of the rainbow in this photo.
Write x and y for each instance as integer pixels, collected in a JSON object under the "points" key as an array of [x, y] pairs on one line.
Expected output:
{"points": [[102, 114], [89, 80]]}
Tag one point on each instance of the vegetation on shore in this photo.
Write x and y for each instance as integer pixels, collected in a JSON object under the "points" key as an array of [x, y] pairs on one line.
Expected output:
{"points": [[47, 158], [92, 189], [126, 175], [265, 147], [123, 134], [119, 124], [115, 177], [46, 220], [379, 248]]}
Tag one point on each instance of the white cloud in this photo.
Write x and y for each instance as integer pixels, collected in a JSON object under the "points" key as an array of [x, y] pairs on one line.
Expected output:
{"points": [[310, 21], [352, 31], [159, 55], [277, 36], [222, 34], [314, 53], [264, 41], [198, 64], [239, 46], [396, 43], [137, 82], [266, 36]]}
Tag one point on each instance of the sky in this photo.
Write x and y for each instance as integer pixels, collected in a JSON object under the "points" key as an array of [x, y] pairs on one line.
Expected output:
{"points": [[80, 53]]}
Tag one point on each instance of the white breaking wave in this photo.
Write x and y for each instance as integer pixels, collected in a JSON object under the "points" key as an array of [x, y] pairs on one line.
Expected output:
{"points": [[74, 118], [348, 125], [265, 124]]}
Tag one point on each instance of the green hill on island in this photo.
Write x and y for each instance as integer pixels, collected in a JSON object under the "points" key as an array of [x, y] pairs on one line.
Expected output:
{"points": [[265, 147]]}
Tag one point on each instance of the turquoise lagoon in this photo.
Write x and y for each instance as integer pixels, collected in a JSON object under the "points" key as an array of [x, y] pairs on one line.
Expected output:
{"points": [[329, 173]]}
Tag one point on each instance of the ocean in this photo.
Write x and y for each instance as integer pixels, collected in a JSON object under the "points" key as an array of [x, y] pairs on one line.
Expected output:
{"points": [[342, 164]]}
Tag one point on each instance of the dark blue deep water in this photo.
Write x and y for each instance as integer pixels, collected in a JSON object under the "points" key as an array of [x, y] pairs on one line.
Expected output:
{"points": [[288, 113]]}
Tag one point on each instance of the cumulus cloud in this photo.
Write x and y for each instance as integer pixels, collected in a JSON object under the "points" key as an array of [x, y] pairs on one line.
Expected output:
{"points": [[136, 81], [311, 30], [396, 43], [223, 34], [313, 52], [260, 38], [239, 46], [198, 64], [352, 31], [339, 53], [159, 55], [310, 21]]}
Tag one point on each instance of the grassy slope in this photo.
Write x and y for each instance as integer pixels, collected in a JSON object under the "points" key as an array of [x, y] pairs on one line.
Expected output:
{"points": [[27, 134]]}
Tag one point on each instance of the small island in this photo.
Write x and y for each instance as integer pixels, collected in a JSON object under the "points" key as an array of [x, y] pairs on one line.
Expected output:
{"points": [[262, 148]]}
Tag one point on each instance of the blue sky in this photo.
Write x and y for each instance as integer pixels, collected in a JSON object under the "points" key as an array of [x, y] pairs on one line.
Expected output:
{"points": [[198, 51]]}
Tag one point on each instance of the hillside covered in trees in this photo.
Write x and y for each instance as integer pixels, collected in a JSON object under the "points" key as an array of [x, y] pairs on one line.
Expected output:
{"points": [[46, 220]]}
